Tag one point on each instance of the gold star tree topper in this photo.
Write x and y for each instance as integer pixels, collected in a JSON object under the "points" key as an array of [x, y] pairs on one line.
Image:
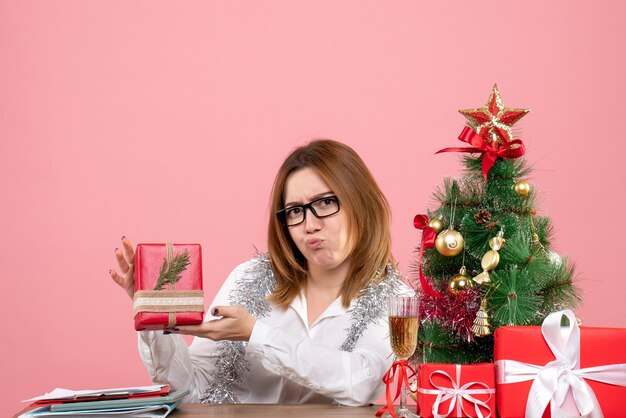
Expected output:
{"points": [[494, 121]]}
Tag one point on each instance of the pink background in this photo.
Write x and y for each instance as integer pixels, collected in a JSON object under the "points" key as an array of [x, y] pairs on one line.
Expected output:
{"points": [[168, 120]]}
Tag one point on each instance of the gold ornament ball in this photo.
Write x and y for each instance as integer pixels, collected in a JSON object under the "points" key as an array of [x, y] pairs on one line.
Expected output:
{"points": [[522, 188], [436, 224], [459, 282], [449, 243]]}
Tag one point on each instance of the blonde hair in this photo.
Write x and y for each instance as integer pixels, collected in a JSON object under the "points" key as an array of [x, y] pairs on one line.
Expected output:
{"points": [[366, 208]]}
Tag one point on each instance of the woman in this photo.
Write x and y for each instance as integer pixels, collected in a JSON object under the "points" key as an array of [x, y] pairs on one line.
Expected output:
{"points": [[307, 322]]}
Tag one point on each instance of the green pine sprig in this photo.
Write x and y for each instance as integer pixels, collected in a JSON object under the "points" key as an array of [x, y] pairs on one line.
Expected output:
{"points": [[559, 291], [515, 300], [170, 273], [437, 345], [517, 250]]}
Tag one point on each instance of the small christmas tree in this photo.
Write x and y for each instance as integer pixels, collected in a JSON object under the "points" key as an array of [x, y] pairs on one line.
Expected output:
{"points": [[485, 258]]}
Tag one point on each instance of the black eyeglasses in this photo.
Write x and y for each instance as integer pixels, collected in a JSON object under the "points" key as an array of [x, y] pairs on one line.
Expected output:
{"points": [[321, 208]]}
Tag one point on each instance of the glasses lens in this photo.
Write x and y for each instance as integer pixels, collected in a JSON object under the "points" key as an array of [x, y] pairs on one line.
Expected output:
{"points": [[325, 206], [294, 215]]}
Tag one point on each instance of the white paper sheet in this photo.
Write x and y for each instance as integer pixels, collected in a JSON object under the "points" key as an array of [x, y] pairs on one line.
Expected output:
{"points": [[61, 394]]}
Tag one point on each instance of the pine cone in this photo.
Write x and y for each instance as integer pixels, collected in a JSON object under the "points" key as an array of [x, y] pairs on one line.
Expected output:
{"points": [[482, 217]]}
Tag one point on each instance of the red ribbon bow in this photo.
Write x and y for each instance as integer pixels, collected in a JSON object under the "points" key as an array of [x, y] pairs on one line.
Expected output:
{"points": [[490, 151], [428, 241], [400, 369]]}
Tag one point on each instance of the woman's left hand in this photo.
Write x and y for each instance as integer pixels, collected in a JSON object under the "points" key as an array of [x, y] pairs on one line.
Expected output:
{"points": [[235, 324]]}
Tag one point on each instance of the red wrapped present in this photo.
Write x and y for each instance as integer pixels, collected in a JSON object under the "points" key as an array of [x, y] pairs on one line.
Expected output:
{"points": [[455, 390], [576, 370], [168, 286]]}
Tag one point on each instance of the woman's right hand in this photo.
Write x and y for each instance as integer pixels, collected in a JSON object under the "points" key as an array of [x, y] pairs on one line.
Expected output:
{"points": [[126, 263]]}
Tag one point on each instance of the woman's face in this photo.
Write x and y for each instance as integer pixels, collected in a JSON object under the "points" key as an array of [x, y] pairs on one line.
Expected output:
{"points": [[323, 242]]}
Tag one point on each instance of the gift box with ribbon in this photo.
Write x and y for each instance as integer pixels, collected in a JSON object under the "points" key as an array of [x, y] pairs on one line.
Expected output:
{"points": [[560, 371], [168, 286], [455, 390]]}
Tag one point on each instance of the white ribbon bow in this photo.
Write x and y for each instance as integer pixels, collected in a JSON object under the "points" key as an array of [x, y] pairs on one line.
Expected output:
{"points": [[457, 394], [553, 381]]}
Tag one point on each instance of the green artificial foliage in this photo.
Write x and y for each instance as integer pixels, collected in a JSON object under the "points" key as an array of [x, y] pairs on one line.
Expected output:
{"points": [[515, 298], [437, 345], [170, 272], [530, 281]]}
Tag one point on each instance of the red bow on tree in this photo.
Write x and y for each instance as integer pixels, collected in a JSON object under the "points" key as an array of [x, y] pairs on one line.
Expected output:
{"points": [[428, 241], [490, 150]]}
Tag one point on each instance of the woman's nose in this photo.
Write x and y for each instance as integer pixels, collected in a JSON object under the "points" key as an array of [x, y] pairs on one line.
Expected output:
{"points": [[311, 222]]}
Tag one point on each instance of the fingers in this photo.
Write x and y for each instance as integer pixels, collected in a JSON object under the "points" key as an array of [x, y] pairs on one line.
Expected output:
{"points": [[123, 282], [235, 324], [128, 250], [205, 329], [116, 277], [227, 311], [121, 261], [188, 329], [126, 258]]}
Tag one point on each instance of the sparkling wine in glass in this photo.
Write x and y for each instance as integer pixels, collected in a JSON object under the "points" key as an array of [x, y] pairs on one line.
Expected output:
{"points": [[403, 327]]}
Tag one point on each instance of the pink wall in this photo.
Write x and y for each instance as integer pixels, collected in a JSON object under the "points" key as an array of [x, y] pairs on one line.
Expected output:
{"points": [[167, 121]]}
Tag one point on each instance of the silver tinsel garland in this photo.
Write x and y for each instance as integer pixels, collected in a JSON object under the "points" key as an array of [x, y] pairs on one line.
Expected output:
{"points": [[371, 306], [251, 291]]}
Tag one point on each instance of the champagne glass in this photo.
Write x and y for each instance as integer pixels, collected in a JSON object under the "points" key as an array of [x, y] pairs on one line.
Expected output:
{"points": [[403, 326]]}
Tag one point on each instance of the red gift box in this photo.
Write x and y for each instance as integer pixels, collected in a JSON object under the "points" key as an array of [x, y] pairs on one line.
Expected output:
{"points": [[455, 390], [578, 348], [168, 286]]}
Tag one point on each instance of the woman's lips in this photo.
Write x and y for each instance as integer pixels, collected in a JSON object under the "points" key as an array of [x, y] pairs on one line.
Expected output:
{"points": [[314, 244]]}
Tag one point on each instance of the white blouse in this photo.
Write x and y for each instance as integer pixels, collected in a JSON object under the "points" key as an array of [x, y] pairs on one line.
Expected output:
{"points": [[289, 361]]}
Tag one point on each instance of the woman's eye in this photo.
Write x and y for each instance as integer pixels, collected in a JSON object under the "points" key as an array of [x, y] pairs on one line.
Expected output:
{"points": [[327, 202], [294, 212]]}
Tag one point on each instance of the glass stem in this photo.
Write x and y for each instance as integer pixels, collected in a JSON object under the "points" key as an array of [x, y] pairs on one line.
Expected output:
{"points": [[402, 398]]}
